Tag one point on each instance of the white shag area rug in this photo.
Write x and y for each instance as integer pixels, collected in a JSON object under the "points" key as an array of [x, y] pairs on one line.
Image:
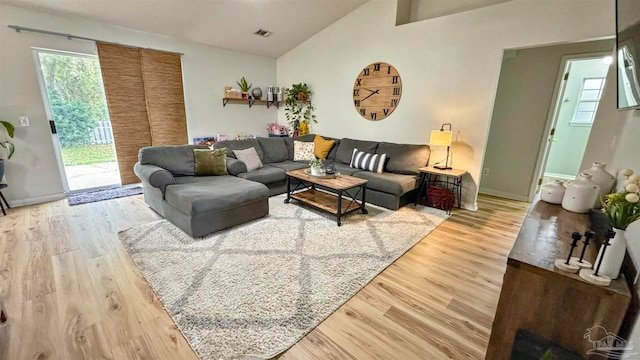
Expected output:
{"points": [[254, 290]]}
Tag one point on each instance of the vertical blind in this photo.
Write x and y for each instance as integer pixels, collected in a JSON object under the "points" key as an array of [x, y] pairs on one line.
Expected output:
{"points": [[145, 97]]}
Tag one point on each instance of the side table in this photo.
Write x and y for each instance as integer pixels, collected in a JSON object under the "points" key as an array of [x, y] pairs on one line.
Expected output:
{"points": [[452, 180]]}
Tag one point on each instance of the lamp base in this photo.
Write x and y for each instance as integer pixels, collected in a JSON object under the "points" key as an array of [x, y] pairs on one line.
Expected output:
{"points": [[443, 167]]}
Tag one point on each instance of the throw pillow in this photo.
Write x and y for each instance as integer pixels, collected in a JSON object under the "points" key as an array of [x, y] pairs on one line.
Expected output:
{"points": [[210, 162], [249, 157], [367, 161], [303, 151], [322, 147]]}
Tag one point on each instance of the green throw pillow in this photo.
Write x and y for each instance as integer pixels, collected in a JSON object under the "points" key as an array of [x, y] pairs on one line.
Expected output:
{"points": [[210, 162]]}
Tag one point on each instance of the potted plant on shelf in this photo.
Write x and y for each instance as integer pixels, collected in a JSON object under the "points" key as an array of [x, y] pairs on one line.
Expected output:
{"points": [[622, 208], [244, 86], [8, 145], [299, 109], [316, 167]]}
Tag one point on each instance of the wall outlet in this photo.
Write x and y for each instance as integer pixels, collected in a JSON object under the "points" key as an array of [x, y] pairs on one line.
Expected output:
{"points": [[485, 171], [24, 121]]}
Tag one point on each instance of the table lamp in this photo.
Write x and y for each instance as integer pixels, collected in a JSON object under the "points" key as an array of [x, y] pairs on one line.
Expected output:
{"points": [[442, 138]]}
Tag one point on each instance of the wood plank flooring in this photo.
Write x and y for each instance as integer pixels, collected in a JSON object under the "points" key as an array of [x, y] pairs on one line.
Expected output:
{"points": [[72, 292]]}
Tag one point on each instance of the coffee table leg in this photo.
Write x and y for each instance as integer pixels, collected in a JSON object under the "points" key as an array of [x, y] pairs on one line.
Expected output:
{"points": [[339, 207], [286, 201], [364, 202]]}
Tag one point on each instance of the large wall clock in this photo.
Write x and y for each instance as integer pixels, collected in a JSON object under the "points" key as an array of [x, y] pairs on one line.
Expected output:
{"points": [[377, 91]]}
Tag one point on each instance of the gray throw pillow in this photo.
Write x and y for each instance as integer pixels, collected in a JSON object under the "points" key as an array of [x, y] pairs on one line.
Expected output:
{"points": [[210, 162], [249, 157]]}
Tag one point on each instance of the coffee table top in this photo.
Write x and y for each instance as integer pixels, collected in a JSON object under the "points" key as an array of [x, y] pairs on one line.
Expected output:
{"points": [[342, 182]]}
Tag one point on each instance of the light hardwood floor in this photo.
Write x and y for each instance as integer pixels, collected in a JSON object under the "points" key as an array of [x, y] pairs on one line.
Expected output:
{"points": [[72, 292]]}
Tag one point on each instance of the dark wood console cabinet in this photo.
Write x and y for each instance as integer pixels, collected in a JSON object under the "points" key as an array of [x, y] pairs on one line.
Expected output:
{"points": [[544, 301]]}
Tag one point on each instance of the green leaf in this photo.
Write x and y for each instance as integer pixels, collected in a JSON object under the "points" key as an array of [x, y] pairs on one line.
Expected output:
{"points": [[10, 148], [9, 127]]}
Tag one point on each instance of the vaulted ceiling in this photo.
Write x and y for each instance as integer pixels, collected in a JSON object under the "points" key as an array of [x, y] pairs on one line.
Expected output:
{"points": [[224, 23]]}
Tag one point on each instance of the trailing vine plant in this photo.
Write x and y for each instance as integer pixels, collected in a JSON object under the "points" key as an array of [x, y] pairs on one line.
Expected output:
{"points": [[299, 109]]}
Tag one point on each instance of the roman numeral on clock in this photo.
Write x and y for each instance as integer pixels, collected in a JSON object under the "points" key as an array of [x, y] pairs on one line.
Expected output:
{"points": [[363, 111], [386, 112], [356, 92], [356, 102], [396, 91], [388, 69], [376, 67], [358, 82], [365, 72], [373, 116], [394, 80], [394, 102]]}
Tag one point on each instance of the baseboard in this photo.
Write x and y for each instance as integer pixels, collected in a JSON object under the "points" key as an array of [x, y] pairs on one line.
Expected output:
{"points": [[560, 176], [503, 194], [37, 200]]}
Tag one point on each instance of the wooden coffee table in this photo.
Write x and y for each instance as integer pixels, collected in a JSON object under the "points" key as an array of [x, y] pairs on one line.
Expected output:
{"points": [[333, 195]]}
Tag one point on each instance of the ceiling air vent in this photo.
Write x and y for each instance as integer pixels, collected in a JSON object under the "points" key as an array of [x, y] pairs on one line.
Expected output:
{"points": [[263, 33]]}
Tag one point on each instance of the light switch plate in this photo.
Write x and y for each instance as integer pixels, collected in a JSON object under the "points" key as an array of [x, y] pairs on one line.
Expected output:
{"points": [[24, 121]]}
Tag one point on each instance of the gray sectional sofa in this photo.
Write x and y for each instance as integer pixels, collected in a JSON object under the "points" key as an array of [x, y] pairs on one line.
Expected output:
{"points": [[202, 204]]}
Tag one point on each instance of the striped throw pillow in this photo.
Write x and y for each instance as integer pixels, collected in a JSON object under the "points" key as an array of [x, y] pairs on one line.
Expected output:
{"points": [[367, 161]]}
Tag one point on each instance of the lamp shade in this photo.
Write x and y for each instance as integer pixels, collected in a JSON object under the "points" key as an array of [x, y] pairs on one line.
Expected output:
{"points": [[440, 138]]}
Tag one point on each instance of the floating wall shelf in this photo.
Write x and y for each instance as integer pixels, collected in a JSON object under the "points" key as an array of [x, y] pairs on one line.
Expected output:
{"points": [[269, 103]]}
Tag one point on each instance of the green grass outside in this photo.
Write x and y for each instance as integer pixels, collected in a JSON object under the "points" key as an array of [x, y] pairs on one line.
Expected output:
{"points": [[88, 154]]}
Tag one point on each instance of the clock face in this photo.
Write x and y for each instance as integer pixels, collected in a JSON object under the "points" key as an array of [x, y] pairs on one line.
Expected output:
{"points": [[377, 91]]}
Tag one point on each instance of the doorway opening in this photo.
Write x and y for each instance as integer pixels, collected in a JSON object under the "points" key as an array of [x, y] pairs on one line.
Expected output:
{"points": [[73, 94], [580, 89]]}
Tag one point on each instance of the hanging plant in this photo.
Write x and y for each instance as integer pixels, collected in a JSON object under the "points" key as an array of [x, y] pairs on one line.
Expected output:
{"points": [[299, 109]]}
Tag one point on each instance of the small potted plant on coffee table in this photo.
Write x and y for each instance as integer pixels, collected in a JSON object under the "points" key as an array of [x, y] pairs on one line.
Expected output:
{"points": [[316, 167]]}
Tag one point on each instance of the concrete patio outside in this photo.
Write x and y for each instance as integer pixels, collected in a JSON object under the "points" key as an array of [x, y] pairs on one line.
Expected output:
{"points": [[91, 176]]}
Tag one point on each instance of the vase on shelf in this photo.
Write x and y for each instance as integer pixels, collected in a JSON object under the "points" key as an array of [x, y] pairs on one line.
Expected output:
{"points": [[581, 194], [553, 193], [614, 255], [601, 177]]}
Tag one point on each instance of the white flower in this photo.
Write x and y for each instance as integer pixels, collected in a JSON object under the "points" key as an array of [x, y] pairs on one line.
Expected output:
{"points": [[632, 188], [626, 172], [635, 178], [632, 198]]}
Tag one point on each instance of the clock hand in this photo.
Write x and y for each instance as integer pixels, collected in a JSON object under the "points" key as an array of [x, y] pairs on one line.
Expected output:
{"points": [[370, 90], [368, 96]]}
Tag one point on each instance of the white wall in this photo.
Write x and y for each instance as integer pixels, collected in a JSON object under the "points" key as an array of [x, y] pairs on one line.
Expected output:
{"points": [[32, 173], [449, 68]]}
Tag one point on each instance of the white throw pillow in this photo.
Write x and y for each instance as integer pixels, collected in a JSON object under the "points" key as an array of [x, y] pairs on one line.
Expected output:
{"points": [[303, 151], [249, 157]]}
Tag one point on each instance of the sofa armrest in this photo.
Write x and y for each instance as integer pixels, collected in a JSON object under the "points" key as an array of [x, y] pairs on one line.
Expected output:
{"points": [[235, 166], [154, 175]]}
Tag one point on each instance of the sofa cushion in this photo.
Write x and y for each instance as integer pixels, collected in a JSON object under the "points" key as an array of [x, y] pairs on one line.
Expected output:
{"points": [[290, 165], [210, 162], [288, 141], [345, 149], [240, 145], [303, 151], [322, 147], [265, 175], [177, 159], [367, 161], [396, 184], [194, 195], [345, 169], [275, 150], [403, 158], [249, 157]]}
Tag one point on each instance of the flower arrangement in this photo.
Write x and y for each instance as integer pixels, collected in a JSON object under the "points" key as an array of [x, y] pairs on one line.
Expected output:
{"points": [[299, 109], [623, 208]]}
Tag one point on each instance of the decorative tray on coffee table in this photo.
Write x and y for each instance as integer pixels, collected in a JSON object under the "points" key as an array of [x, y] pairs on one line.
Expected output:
{"points": [[323, 176]]}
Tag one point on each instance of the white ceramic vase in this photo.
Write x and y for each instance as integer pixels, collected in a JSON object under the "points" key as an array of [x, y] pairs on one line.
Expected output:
{"points": [[316, 171], [553, 193], [581, 194], [614, 255], [601, 177]]}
